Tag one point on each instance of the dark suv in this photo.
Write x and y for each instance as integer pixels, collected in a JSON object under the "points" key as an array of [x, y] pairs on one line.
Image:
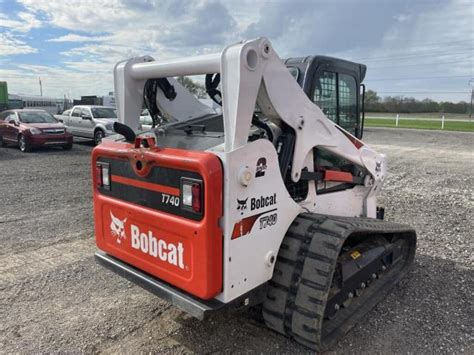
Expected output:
{"points": [[32, 128]]}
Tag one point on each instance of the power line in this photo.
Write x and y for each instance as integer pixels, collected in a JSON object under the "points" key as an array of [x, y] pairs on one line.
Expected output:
{"points": [[421, 64], [438, 43], [470, 50], [416, 46], [422, 92], [419, 53], [409, 49], [448, 46], [422, 77]]}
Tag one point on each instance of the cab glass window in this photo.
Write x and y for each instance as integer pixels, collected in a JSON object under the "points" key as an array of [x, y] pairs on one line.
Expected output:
{"points": [[294, 72], [3, 115], [76, 112], [104, 112], [336, 95], [347, 102], [36, 117], [85, 112], [325, 94]]}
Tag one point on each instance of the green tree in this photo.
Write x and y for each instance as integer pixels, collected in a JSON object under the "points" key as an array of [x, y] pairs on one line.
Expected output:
{"points": [[372, 101], [195, 88], [401, 104], [371, 97]]}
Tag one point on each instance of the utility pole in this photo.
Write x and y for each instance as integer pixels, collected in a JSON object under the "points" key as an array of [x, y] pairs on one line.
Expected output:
{"points": [[471, 83], [472, 95], [41, 87]]}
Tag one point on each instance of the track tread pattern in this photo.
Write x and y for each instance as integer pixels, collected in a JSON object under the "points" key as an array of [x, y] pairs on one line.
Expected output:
{"points": [[298, 292]]}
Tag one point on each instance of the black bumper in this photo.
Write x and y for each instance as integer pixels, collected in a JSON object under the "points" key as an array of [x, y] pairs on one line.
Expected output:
{"points": [[194, 306]]}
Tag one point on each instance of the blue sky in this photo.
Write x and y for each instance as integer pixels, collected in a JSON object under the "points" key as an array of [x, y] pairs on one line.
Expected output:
{"points": [[417, 48]]}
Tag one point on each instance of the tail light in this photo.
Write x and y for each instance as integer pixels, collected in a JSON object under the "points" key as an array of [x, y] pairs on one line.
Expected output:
{"points": [[196, 191], [102, 172], [191, 195]]}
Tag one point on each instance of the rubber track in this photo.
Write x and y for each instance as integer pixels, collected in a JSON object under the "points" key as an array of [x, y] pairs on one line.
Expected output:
{"points": [[298, 291]]}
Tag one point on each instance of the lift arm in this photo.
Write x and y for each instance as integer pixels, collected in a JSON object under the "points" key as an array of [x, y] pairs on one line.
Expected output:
{"points": [[251, 72]]}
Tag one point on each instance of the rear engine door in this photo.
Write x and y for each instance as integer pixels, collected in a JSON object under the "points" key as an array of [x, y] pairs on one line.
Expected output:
{"points": [[159, 209]]}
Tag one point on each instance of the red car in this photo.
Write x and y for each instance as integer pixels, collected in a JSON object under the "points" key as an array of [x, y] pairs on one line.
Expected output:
{"points": [[32, 128]]}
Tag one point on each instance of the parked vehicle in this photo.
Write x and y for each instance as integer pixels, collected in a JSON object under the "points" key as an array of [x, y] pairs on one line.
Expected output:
{"points": [[32, 128], [87, 121]]}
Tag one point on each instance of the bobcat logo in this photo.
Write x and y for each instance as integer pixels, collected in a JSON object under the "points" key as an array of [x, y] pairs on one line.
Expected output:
{"points": [[117, 228], [242, 204]]}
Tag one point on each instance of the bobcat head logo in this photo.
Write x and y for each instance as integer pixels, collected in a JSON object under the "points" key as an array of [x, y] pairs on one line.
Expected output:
{"points": [[117, 228], [242, 204]]}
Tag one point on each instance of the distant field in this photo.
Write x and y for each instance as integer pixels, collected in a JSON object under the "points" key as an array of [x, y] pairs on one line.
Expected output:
{"points": [[421, 115], [420, 124]]}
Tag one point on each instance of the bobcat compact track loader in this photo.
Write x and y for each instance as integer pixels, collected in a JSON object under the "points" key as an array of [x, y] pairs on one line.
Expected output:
{"points": [[268, 203]]}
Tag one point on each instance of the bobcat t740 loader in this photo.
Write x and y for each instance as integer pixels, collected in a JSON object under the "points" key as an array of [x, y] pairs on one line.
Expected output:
{"points": [[269, 202]]}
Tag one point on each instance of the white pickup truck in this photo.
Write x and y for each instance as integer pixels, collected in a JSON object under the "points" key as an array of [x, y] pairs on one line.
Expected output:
{"points": [[95, 122]]}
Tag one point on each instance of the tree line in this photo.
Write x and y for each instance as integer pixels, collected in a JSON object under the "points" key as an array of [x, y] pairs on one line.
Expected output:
{"points": [[373, 102], [401, 104]]}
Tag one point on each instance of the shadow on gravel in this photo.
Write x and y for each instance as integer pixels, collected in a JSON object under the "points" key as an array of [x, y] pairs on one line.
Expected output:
{"points": [[428, 309], [11, 153], [14, 153], [84, 142]]}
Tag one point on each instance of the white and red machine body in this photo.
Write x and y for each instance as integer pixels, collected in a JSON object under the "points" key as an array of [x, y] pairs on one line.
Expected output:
{"points": [[267, 202], [225, 243]]}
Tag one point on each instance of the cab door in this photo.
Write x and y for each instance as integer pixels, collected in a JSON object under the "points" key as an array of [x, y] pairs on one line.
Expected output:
{"points": [[337, 94]]}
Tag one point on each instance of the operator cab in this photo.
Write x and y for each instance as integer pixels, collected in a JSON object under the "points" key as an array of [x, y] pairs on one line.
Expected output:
{"points": [[335, 85]]}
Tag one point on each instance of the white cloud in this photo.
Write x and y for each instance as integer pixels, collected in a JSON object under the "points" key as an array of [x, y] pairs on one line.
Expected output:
{"points": [[56, 81], [26, 22], [437, 48], [92, 16], [402, 17], [71, 37], [103, 32], [9, 45]]}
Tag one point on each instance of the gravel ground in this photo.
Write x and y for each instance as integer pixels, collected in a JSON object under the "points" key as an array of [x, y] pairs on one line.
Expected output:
{"points": [[55, 298]]}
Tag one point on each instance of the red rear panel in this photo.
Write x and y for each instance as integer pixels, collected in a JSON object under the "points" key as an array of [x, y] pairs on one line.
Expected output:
{"points": [[140, 219]]}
